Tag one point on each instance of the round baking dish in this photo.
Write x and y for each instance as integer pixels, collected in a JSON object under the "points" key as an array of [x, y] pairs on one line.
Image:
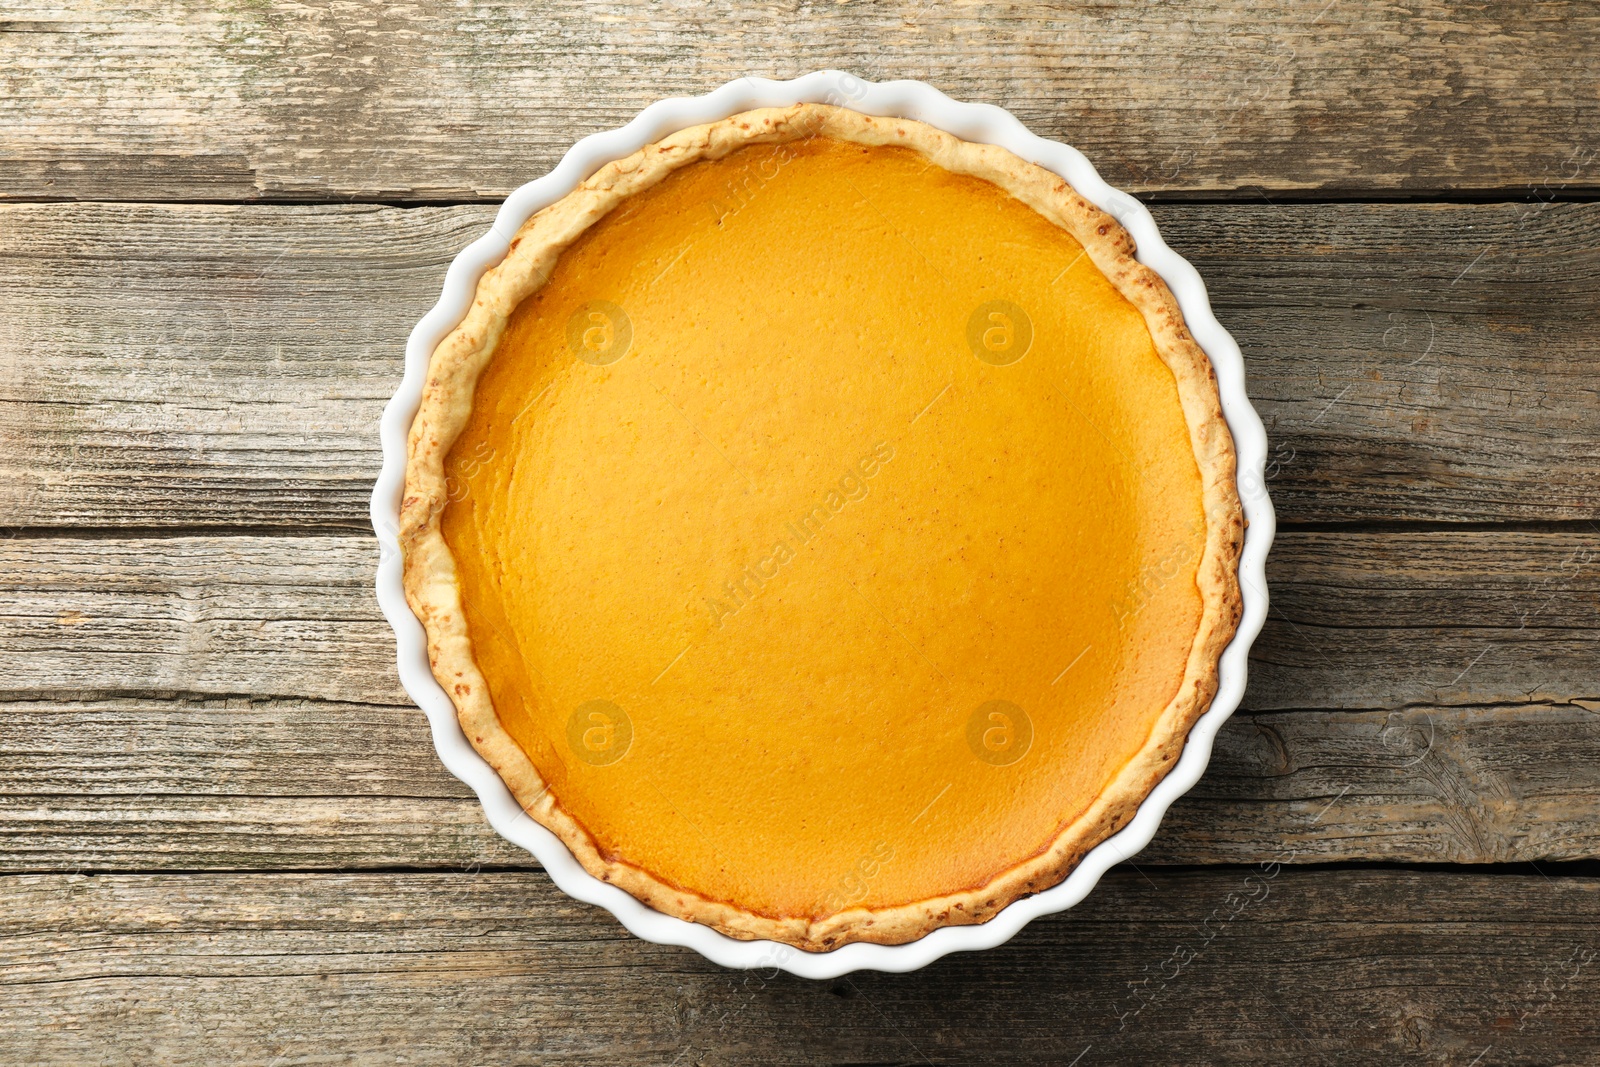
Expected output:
{"points": [[972, 122]]}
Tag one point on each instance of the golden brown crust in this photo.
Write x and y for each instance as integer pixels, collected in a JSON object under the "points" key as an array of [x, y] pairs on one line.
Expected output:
{"points": [[430, 580]]}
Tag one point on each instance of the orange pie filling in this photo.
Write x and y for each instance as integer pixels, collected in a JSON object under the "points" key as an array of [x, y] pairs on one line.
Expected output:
{"points": [[827, 530]]}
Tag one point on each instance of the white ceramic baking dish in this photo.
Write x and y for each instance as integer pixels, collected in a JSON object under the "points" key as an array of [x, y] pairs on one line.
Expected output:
{"points": [[973, 122]]}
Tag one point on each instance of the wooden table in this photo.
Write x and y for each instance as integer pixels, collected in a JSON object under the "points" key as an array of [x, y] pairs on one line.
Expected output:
{"points": [[224, 835]]}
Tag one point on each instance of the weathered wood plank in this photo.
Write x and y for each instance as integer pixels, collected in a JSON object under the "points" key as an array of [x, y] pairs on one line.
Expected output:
{"points": [[172, 366], [1414, 362], [142, 785], [245, 616], [1422, 784], [233, 366], [237, 784], [1381, 620], [1375, 619], [1238, 965], [438, 101]]}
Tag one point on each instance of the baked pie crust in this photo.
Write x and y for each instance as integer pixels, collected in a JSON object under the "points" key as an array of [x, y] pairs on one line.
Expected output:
{"points": [[504, 528]]}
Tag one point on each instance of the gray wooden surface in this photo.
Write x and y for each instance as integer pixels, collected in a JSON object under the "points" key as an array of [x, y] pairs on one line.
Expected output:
{"points": [[224, 835]]}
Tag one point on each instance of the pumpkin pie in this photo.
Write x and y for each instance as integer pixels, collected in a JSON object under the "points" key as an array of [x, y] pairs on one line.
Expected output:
{"points": [[824, 525]]}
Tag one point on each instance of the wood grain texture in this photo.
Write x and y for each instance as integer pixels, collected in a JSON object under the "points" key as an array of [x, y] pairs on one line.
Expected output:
{"points": [[1431, 362], [1257, 965], [150, 785], [252, 616], [1360, 620], [224, 834], [241, 101], [235, 371]]}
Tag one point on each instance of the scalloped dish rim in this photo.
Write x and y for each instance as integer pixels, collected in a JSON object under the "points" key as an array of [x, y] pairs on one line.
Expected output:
{"points": [[973, 122]]}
